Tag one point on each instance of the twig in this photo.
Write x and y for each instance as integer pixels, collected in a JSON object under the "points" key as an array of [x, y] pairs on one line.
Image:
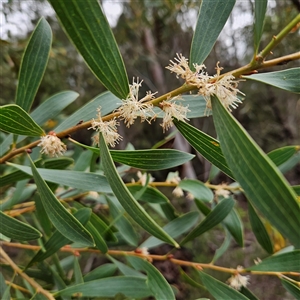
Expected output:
{"points": [[32, 282]]}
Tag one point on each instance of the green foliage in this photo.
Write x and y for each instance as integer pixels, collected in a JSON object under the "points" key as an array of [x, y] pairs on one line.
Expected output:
{"points": [[101, 201]]}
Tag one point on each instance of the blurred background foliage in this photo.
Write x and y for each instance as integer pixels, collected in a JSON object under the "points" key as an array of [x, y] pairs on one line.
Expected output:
{"points": [[149, 34]]}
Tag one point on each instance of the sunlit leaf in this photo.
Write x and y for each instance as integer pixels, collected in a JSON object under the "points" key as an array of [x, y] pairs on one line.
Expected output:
{"points": [[14, 119], [33, 65], [17, 230], [261, 181], [211, 20], [87, 27], [131, 206], [156, 282], [287, 79]]}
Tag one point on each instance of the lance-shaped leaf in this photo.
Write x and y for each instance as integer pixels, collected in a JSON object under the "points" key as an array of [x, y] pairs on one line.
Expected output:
{"points": [[107, 101], [198, 189], [211, 20], [14, 119], [259, 230], [156, 282], [283, 154], [206, 145], [152, 159], [33, 65], [131, 206], [260, 11], [261, 181], [216, 216], [130, 286], [79, 180], [87, 27], [17, 230], [285, 262], [219, 289], [292, 288], [62, 220], [106, 270], [175, 228], [287, 79], [57, 240]]}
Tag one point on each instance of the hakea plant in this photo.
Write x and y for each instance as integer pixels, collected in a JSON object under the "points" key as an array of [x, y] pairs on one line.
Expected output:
{"points": [[60, 223]]}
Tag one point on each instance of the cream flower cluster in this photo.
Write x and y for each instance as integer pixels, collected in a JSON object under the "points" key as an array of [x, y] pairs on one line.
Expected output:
{"points": [[172, 110], [132, 107], [238, 281], [224, 87], [52, 145], [107, 128]]}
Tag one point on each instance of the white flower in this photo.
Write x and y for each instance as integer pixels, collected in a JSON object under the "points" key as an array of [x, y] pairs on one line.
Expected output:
{"points": [[172, 110], [132, 107], [178, 192], [190, 196], [238, 281], [173, 177], [107, 128], [52, 145], [224, 87], [143, 251], [143, 177], [222, 192]]}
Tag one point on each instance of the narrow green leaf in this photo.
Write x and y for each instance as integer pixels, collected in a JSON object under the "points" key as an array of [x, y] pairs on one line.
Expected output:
{"points": [[285, 262], [246, 292], [126, 270], [215, 217], [103, 228], [260, 11], [51, 107], [77, 272], [81, 180], [290, 163], [123, 225], [17, 230], [218, 289], [175, 228], [206, 145], [103, 271], [296, 188], [198, 189], [12, 177], [259, 230], [292, 288], [14, 119], [235, 226], [58, 163], [129, 286], [63, 221], [33, 65], [211, 20], [152, 159], [157, 283], [4, 289], [57, 240], [281, 155], [99, 240], [87, 27], [131, 206], [261, 181], [107, 101], [220, 251], [286, 80]]}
